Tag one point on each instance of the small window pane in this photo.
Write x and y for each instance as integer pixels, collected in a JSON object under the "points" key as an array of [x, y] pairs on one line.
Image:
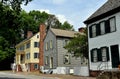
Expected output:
{"points": [[95, 56], [102, 27], [112, 24], [36, 55], [46, 46], [51, 44], [104, 54], [36, 44], [93, 30], [46, 60], [35, 66]]}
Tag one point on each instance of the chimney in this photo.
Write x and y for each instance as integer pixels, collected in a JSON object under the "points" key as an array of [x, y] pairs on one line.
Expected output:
{"points": [[29, 34], [41, 48], [81, 29]]}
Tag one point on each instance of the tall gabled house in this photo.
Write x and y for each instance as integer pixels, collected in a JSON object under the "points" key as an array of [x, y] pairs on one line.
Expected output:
{"points": [[104, 37], [56, 57], [27, 53]]}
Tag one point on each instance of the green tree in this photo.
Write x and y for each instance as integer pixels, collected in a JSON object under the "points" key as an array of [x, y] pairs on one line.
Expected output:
{"points": [[9, 32], [15, 4], [67, 26], [78, 46]]}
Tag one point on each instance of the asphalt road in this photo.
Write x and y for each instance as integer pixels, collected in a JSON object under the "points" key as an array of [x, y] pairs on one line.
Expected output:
{"points": [[6, 75]]}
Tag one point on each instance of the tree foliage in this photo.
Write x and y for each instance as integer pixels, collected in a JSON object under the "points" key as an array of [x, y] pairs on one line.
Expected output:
{"points": [[15, 22], [9, 29], [78, 46], [15, 4]]}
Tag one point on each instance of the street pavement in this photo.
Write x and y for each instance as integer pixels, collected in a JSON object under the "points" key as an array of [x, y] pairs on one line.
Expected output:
{"points": [[8, 75]]}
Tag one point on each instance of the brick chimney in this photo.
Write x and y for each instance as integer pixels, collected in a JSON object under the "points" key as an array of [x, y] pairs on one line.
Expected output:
{"points": [[29, 34], [81, 29], [41, 49]]}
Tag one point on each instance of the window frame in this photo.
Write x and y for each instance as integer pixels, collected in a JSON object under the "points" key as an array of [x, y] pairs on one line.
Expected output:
{"points": [[36, 44], [101, 28], [36, 66], [94, 33], [69, 62], [36, 55], [114, 24]]}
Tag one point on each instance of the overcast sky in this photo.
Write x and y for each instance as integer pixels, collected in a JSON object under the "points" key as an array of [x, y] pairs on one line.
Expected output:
{"points": [[73, 11]]}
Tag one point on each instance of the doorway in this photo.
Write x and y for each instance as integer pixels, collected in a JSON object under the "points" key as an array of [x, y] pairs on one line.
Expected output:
{"points": [[115, 56]]}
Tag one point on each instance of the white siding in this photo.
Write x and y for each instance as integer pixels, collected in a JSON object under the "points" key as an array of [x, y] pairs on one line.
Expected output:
{"points": [[105, 40]]}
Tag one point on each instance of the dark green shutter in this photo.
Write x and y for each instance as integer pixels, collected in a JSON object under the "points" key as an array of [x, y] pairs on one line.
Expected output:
{"points": [[98, 29], [99, 54], [91, 55], [90, 31], [107, 49], [107, 26]]}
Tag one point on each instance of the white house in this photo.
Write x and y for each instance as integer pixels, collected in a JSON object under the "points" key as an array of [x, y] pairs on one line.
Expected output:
{"points": [[104, 37]]}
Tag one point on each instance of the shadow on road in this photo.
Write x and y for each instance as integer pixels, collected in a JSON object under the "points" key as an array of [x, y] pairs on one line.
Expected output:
{"points": [[10, 78]]}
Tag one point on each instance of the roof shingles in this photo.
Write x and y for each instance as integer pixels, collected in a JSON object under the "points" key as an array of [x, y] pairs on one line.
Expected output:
{"points": [[108, 6], [64, 33]]}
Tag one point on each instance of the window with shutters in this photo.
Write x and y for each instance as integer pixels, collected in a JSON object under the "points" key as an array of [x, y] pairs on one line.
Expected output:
{"points": [[93, 30], [112, 24], [95, 57], [104, 54], [102, 27]]}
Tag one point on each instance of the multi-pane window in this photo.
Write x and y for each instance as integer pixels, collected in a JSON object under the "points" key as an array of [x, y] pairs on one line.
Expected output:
{"points": [[104, 54], [21, 47], [36, 55], [65, 42], [95, 57], [93, 30], [112, 24], [102, 27], [28, 56], [46, 46], [28, 45], [66, 59], [101, 54], [37, 36], [36, 44], [46, 60], [51, 44], [36, 66]]}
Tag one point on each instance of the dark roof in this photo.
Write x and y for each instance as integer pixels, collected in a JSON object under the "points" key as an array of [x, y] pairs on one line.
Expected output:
{"points": [[108, 7]]}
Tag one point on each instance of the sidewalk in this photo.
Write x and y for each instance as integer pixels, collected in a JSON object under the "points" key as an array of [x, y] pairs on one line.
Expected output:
{"points": [[55, 75]]}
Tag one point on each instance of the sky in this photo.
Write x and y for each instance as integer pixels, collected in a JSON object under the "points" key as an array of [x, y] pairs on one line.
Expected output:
{"points": [[73, 11]]}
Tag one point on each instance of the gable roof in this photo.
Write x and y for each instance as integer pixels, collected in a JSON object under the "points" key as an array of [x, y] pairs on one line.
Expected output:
{"points": [[108, 7], [26, 40], [63, 33]]}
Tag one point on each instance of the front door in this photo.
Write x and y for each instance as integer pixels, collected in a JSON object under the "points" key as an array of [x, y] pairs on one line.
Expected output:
{"points": [[115, 56]]}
